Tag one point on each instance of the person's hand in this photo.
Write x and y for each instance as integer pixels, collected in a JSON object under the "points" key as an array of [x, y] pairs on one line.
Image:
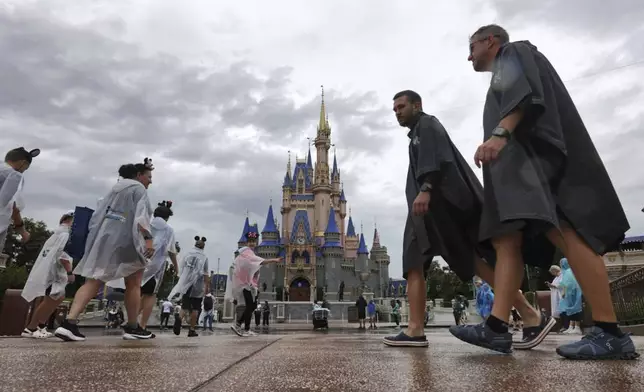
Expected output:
{"points": [[279, 259], [421, 203], [489, 150], [25, 235], [149, 249], [71, 279]]}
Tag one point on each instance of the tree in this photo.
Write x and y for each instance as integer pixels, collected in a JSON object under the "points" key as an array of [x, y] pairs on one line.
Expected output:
{"points": [[168, 282], [24, 255]]}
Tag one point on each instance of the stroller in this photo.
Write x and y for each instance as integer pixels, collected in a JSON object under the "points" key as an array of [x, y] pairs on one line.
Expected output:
{"points": [[320, 318]]}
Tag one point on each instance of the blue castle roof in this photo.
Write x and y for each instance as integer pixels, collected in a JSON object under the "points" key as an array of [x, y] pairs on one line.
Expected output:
{"points": [[362, 248], [269, 226], [332, 226], [335, 166], [244, 231], [301, 217], [301, 166], [309, 162], [342, 197], [351, 230]]}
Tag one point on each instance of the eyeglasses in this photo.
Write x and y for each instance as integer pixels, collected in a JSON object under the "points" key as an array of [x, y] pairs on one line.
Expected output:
{"points": [[489, 37]]}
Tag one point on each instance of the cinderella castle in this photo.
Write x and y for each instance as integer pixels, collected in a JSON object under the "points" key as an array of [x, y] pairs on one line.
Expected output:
{"points": [[324, 256]]}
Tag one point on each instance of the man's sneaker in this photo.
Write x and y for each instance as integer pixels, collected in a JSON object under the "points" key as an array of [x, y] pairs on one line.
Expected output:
{"points": [[533, 336], [26, 333], [237, 329], [251, 333], [69, 332], [404, 340], [598, 345], [482, 335], [42, 333], [137, 333], [176, 328], [192, 333]]}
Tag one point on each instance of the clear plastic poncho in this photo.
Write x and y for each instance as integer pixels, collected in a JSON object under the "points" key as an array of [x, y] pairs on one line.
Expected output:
{"points": [[194, 267], [555, 295], [11, 183], [115, 246], [244, 275], [48, 270], [571, 299], [163, 241], [484, 300]]}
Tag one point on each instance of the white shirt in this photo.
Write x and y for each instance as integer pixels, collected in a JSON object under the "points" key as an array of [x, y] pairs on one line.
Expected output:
{"points": [[167, 307]]}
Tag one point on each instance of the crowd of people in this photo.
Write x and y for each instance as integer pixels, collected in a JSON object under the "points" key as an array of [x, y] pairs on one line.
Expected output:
{"points": [[544, 187]]}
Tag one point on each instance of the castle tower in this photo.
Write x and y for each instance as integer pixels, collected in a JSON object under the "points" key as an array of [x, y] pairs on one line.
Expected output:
{"points": [[343, 214], [322, 188], [243, 240], [380, 260], [286, 199], [351, 241], [362, 263], [269, 248]]}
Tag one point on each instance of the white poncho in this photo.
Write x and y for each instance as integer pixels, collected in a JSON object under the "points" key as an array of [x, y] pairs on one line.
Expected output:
{"points": [[194, 267], [163, 240], [244, 275], [115, 246], [11, 183], [48, 270]]}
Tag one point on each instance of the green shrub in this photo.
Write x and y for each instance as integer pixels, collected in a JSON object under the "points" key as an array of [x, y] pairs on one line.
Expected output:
{"points": [[12, 277]]}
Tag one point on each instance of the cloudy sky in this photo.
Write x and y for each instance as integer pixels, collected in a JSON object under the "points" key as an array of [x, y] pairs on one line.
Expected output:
{"points": [[217, 95]]}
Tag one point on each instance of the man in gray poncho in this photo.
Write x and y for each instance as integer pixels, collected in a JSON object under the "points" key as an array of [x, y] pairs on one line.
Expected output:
{"points": [[444, 199], [545, 187]]}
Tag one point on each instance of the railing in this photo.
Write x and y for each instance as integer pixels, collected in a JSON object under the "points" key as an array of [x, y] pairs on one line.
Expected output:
{"points": [[628, 297]]}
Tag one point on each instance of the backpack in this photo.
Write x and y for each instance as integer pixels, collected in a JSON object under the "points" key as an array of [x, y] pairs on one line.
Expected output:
{"points": [[207, 304], [75, 246]]}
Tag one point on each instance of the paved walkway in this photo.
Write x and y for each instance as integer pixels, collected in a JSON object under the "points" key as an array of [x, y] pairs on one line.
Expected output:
{"points": [[299, 362]]}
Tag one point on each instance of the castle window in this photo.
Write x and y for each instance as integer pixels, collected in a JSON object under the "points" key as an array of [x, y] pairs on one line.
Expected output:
{"points": [[300, 185]]}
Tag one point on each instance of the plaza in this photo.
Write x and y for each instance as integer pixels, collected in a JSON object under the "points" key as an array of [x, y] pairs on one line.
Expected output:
{"points": [[299, 361]]}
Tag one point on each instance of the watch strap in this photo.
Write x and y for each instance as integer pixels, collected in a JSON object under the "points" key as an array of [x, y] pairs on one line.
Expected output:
{"points": [[501, 132]]}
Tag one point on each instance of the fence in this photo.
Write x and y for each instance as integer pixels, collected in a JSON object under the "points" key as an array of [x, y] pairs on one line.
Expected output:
{"points": [[628, 297]]}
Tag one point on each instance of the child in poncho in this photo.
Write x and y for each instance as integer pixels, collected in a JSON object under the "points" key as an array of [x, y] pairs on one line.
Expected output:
{"points": [[49, 276]]}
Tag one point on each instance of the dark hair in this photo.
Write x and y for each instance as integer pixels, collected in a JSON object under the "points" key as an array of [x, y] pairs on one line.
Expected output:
{"points": [[20, 154], [413, 96], [131, 170], [164, 210], [65, 218], [495, 31]]}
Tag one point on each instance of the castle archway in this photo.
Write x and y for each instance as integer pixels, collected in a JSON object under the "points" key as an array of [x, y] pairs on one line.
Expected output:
{"points": [[299, 290]]}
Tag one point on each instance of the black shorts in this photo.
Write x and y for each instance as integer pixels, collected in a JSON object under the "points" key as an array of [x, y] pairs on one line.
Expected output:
{"points": [[48, 291], [149, 287], [362, 314], [190, 304]]}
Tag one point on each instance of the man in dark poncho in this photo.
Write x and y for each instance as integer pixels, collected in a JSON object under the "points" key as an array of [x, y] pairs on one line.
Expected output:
{"points": [[444, 199], [545, 186]]}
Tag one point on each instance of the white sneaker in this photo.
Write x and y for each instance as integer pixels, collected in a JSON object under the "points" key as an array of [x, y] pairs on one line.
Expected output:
{"points": [[26, 333], [42, 334], [252, 333]]}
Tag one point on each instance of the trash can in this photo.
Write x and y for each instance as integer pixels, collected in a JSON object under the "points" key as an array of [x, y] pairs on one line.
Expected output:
{"points": [[14, 313]]}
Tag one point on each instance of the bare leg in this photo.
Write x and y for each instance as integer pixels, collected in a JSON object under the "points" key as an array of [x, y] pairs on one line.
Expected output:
{"points": [[44, 310], [416, 295], [193, 319], [590, 271], [147, 303], [508, 274], [133, 297], [82, 298], [530, 315]]}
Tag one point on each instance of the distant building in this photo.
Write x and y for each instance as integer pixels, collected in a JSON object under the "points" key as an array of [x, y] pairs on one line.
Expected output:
{"points": [[218, 283], [628, 257]]}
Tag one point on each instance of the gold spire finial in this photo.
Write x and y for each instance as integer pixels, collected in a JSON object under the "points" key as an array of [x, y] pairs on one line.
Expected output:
{"points": [[323, 117]]}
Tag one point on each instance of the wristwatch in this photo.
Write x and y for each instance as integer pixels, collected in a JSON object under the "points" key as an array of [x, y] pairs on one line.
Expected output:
{"points": [[501, 132], [147, 237], [426, 187]]}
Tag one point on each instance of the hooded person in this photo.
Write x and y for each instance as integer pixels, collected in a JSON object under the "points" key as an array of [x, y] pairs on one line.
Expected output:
{"points": [[164, 247], [243, 284], [49, 276], [570, 304], [17, 161], [193, 284], [546, 187], [484, 300], [119, 245]]}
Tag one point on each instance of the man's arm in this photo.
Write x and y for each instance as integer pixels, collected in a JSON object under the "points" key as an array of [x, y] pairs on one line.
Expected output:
{"points": [[173, 259]]}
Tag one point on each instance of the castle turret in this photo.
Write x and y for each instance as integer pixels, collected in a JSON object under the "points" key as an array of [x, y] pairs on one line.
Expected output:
{"points": [[243, 240], [286, 198], [269, 248], [332, 233], [322, 189], [351, 241]]}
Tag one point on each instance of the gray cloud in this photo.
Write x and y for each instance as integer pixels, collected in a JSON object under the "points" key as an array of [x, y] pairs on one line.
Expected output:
{"points": [[92, 101]]}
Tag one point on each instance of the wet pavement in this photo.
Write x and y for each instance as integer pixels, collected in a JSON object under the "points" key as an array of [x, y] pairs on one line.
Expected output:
{"points": [[299, 362]]}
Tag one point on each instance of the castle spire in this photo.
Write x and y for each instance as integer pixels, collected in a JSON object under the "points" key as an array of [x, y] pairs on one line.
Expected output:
{"points": [[323, 117]]}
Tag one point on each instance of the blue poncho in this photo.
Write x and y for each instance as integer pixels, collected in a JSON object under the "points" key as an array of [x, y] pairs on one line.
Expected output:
{"points": [[571, 299], [484, 300]]}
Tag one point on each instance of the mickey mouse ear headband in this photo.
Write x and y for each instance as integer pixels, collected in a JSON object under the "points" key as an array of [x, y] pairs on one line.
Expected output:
{"points": [[22, 154], [202, 239], [147, 162], [165, 203]]}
